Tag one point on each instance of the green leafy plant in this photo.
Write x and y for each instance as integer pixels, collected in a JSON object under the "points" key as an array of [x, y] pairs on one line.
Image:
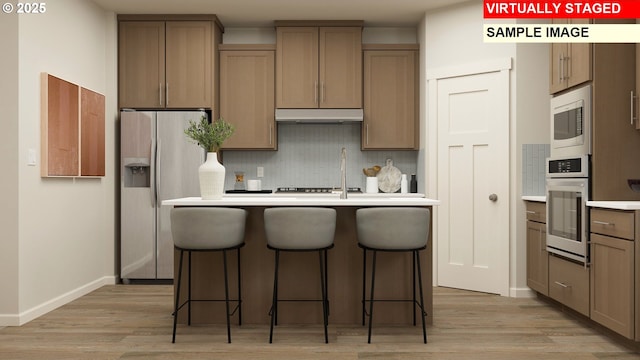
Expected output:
{"points": [[209, 136]]}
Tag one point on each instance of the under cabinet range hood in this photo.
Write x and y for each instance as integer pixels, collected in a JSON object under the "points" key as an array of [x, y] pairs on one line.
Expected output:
{"points": [[319, 116]]}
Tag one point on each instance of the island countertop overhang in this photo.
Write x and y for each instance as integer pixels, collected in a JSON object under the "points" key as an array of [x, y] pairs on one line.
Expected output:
{"points": [[320, 200]]}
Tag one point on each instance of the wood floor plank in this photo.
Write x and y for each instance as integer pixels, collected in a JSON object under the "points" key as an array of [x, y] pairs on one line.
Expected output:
{"points": [[134, 322]]}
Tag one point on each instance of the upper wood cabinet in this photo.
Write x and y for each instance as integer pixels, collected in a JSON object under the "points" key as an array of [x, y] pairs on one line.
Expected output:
{"points": [[569, 63], [390, 98], [319, 67], [247, 95], [167, 64]]}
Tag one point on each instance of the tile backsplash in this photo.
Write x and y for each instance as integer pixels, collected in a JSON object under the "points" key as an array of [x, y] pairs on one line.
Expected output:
{"points": [[308, 155], [534, 168]]}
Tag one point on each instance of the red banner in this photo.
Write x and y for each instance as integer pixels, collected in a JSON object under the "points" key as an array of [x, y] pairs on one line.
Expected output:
{"points": [[586, 9]]}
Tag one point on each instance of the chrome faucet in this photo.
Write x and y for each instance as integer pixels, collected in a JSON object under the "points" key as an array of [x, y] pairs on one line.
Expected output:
{"points": [[343, 173]]}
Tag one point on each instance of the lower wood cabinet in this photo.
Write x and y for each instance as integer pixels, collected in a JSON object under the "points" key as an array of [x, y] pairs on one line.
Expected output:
{"points": [[537, 256], [612, 270], [569, 284]]}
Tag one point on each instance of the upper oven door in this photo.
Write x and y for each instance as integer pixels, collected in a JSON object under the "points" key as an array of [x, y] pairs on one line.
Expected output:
{"points": [[567, 217], [571, 123]]}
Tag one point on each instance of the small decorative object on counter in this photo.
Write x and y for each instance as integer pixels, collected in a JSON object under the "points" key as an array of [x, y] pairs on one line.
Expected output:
{"points": [[239, 185], [413, 187], [404, 188], [389, 178], [210, 137], [372, 185]]}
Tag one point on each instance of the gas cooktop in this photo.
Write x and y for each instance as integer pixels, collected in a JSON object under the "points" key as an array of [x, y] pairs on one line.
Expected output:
{"points": [[315, 190]]}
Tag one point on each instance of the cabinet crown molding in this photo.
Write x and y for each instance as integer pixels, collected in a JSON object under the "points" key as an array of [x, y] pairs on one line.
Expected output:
{"points": [[324, 23]]}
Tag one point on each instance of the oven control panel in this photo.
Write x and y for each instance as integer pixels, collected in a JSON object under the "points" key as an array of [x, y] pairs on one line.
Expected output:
{"points": [[568, 167]]}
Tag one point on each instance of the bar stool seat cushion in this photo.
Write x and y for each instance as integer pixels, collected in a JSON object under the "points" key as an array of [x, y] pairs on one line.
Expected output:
{"points": [[299, 228], [393, 228], [207, 228]]}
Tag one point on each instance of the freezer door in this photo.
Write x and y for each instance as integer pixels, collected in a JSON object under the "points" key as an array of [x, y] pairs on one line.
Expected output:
{"points": [[137, 199], [178, 160]]}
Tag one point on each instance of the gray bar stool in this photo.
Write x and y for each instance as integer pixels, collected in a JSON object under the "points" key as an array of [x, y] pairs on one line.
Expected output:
{"points": [[393, 229], [298, 229], [206, 229]]}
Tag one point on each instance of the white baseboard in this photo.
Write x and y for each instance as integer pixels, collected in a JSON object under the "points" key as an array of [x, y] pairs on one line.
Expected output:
{"points": [[39, 310], [522, 293]]}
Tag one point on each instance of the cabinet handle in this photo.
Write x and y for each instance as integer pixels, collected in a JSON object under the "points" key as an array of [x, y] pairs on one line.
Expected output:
{"points": [[531, 212], [167, 90], [561, 284], [567, 63], [367, 137], [315, 93], [603, 223], [322, 93], [160, 93], [270, 134], [633, 98], [560, 69]]}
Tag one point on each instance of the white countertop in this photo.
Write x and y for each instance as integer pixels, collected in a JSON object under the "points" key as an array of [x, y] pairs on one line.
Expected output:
{"points": [[308, 200], [540, 198], [618, 205]]}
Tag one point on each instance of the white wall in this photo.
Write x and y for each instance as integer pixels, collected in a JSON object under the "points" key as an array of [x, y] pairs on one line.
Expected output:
{"points": [[453, 37], [65, 227], [9, 165]]}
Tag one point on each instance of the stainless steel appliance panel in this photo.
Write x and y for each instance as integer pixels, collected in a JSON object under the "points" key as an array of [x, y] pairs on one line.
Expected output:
{"points": [[177, 163], [571, 123], [158, 162], [567, 217]]}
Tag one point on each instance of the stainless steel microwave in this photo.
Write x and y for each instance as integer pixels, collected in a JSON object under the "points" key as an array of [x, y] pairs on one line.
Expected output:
{"points": [[571, 123]]}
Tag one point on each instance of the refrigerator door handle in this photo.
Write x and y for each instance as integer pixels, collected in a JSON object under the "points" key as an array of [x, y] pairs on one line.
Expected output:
{"points": [[158, 169], [152, 192]]}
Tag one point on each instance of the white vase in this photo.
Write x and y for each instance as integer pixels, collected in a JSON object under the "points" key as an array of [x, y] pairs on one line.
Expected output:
{"points": [[211, 178]]}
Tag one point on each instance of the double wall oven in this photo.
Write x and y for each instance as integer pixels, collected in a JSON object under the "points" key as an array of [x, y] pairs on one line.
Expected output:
{"points": [[568, 172]]}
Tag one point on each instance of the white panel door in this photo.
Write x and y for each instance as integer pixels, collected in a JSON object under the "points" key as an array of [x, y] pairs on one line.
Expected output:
{"points": [[473, 182]]}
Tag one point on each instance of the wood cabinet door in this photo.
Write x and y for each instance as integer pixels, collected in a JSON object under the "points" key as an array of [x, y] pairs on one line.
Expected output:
{"points": [[340, 67], [557, 68], [141, 64], [612, 283], [389, 100], [579, 62], [297, 67], [247, 98], [537, 257], [189, 64]]}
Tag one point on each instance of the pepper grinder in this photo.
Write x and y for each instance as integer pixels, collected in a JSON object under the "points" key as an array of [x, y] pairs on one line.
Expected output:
{"points": [[413, 187], [403, 184]]}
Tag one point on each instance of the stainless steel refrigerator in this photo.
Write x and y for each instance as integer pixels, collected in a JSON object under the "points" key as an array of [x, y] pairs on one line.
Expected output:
{"points": [[158, 162]]}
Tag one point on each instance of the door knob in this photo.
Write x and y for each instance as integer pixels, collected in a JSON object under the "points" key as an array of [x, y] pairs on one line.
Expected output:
{"points": [[493, 197]]}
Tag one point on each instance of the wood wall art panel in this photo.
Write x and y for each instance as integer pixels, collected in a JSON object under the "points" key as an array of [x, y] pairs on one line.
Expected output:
{"points": [[92, 107], [60, 149], [72, 130]]}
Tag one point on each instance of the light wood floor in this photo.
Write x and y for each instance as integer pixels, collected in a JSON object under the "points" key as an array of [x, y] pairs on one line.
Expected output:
{"points": [[134, 322]]}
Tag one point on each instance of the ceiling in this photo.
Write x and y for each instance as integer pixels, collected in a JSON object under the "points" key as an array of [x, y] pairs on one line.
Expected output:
{"points": [[260, 13]]}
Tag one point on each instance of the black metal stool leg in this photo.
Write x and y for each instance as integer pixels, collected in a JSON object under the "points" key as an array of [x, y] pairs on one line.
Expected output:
{"points": [[274, 301], [324, 297], [326, 283], [373, 280], [413, 287], [364, 280], [189, 292], [422, 312], [226, 294], [175, 309], [239, 291]]}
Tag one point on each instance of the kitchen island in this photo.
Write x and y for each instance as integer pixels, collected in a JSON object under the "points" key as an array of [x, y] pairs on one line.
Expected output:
{"points": [[299, 273]]}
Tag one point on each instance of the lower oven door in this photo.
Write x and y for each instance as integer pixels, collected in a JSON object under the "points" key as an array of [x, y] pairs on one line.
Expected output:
{"points": [[567, 217]]}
